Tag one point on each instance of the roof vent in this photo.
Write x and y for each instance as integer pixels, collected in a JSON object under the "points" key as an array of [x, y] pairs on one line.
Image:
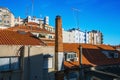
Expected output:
{"points": [[21, 32]]}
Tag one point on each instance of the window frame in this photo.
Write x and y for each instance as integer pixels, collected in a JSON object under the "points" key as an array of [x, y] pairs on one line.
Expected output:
{"points": [[47, 61], [70, 56], [10, 63]]}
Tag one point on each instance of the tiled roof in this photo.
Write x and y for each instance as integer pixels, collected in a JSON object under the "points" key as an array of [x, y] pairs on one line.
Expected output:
{"points": [[50, 44], [116, 46], [92, 54], [69, 64], [18, 38], [48, 40], [32, 23], [105, 47], [29, 29]]}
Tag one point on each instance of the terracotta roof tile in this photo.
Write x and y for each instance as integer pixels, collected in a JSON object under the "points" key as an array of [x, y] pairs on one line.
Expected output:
{"points": [[32, 23], [68, 64], [92, 54], [16, 38], [48, 40], [29, 29], [105, 47]]}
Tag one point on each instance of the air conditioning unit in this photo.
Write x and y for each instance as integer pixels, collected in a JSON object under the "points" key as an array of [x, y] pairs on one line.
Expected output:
{"points": [[76, 59]]}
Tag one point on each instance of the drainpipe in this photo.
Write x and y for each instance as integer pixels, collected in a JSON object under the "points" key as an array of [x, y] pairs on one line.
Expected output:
{"points": [[81, 71], [22, 62], [29, 70]]}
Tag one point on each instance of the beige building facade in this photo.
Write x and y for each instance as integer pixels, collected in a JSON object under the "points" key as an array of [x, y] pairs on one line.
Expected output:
{"points": [[26, 62], [6, 18], [19, 21]]}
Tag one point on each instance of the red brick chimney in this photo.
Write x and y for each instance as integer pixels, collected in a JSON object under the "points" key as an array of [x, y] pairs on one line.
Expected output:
{"points": [[58, 35], [58, 44]]}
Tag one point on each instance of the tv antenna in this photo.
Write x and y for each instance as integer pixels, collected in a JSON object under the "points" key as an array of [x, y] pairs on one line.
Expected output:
{"points": [[76, 16], [32, 8]]}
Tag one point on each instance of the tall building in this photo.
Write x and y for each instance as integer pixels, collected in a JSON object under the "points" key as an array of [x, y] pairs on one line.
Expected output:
{"points": [[74, 36], [77, 36], [44, 23], [6, 18], [46, 20], [95, 37], [38, 20]]}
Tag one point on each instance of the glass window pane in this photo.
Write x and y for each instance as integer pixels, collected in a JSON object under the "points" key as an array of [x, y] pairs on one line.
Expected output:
{"points": [[47, 63], [15, 63], [4, 64]]}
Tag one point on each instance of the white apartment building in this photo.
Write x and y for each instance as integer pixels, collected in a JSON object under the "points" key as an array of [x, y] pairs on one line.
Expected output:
{"points": [[6, 18], [74, 36], [42, 22], [38, 20], [95, 37], [77, 36]]}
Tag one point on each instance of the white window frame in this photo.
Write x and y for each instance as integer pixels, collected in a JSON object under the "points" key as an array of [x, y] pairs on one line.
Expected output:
{"points": [[47, 62], [9, 63], [71, 56]]}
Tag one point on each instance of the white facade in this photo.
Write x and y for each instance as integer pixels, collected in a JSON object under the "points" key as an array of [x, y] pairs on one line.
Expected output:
{"points": [[74, 36], [95, 37], [38, 20], [19, 21], [46, 20], [6, 18], [34, 19], [77, 36]]}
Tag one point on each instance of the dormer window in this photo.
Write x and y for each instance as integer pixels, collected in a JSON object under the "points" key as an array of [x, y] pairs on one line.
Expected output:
{"points": [[110, 54], [71, 56]]}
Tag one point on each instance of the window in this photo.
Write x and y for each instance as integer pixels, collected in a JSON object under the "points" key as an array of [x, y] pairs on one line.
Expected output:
{"points": [[4, 64], [50, 37], [9, 63], [110, 54], [48, 61], [7, 21], [71, 56], [41, 36], [5, 16], [0, 20], [4, 21]]}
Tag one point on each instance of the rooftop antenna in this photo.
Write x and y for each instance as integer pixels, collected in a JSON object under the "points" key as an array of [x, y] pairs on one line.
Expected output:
{"points": [[32, 8], [27, 11], [75, 13], [80, 46]]}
